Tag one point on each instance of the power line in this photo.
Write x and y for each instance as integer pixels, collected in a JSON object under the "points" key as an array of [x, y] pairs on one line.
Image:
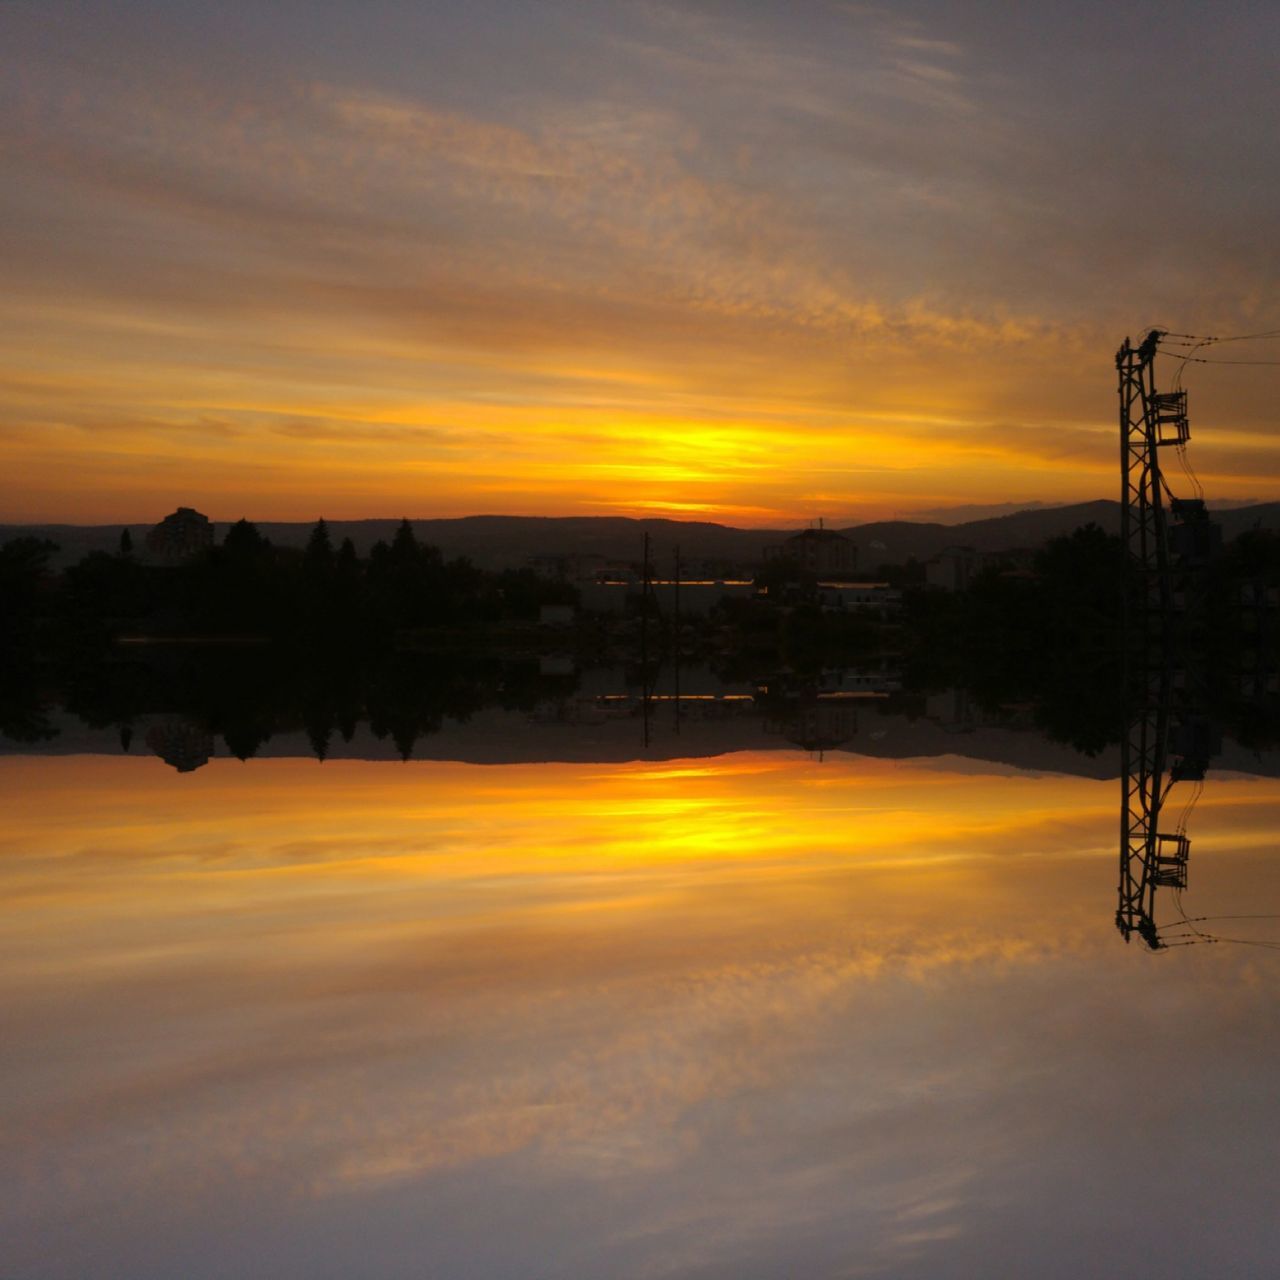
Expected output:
{"points": [[1177, 355], [1191, 343], [1206, 338], [1248, 337]]}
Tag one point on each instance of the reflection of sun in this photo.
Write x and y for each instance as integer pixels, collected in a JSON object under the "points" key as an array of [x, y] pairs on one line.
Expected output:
{"points": [[450, 822]]}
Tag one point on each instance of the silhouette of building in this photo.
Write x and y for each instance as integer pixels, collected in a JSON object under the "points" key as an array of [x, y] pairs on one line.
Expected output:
{"points": [[182, 534], [568, 566], [954, 568], [819, 551]]}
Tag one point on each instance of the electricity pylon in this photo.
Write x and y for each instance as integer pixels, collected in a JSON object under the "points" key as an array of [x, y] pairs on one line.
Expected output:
{"points": [[1158, 557]]}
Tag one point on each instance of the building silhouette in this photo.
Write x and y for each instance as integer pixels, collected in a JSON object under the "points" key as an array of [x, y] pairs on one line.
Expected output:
{"points": [[817, 551], [182, 534], [954, 568]]}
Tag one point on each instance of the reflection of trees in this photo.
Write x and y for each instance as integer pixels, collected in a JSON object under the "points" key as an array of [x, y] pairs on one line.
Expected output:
{"points": [[248, 694], [24, 709]]}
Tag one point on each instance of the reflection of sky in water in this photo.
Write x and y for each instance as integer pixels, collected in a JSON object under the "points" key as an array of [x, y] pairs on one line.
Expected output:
{"points": [[743, 1017]]}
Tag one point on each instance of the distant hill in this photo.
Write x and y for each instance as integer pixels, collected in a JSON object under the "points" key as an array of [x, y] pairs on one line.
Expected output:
{"points": [[495, 542], [501, 541], [968, 511], [893, 541]]}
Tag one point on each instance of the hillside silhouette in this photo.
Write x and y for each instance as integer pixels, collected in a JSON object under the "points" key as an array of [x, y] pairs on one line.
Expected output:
{"points": [[499, 542]]}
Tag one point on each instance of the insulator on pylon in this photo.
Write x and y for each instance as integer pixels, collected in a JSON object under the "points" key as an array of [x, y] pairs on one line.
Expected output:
{"points": [[1170, 409]]}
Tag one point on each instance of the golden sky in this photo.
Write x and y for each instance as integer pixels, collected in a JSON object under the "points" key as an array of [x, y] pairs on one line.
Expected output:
{"points": [[753, 262]]}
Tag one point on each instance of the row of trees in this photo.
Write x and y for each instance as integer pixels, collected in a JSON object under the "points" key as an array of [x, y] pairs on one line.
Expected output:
{"points": [[247, 587]]}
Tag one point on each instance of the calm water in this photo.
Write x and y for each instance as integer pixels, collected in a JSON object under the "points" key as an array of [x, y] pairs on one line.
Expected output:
{"points": [[750, 1014]]}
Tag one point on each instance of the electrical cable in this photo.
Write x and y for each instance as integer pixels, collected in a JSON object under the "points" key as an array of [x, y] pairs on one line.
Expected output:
{"points": [[1197, 791], [1191, 343], [1213, 337], [1174, 355], [1190, 922], [1270, 915]]}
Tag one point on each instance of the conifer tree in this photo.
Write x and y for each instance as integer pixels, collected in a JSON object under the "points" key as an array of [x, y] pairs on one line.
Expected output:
{"points": [[319, 553]]}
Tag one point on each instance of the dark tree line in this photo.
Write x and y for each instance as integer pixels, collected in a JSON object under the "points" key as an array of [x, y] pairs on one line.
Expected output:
{"points": [[322, 596], [250, 694]]}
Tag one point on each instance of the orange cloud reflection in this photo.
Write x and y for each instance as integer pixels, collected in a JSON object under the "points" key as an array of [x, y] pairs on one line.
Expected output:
{"points": [[325, 985]]}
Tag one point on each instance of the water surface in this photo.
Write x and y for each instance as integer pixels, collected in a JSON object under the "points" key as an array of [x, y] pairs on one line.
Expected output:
{"points": [[755, 1014]]}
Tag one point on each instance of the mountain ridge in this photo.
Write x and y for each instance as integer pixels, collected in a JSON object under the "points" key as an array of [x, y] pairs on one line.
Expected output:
{"points": [[495, 541]]}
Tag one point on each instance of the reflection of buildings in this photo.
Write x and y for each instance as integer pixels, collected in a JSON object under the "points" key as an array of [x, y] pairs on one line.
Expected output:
{"points": [[182, 534], [821, 725], [953, 709], [958, 711], [820, 713], [693, 694], [181, 744]]}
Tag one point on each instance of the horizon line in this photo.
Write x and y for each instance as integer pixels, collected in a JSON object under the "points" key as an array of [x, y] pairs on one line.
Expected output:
{"points": [[795, 523]]}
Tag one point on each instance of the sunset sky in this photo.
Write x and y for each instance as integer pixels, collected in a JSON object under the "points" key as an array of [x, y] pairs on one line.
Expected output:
{"points": [[754, 261]]}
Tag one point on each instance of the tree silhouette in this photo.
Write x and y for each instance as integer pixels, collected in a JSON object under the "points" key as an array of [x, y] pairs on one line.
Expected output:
{"points": [[319, 552], [243, 542], [404, 546]]}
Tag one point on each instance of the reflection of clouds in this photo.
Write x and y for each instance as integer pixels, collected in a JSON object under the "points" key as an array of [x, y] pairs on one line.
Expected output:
{"points": [[510, 1013]]}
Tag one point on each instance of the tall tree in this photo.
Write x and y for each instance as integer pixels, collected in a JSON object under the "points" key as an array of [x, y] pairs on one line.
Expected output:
{"points": [[243, 541], [404, 546], [319, 553]]}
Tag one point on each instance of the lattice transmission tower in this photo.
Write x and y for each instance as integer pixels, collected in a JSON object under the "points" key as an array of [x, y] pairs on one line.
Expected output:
{"points": [[1164, 546]]}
